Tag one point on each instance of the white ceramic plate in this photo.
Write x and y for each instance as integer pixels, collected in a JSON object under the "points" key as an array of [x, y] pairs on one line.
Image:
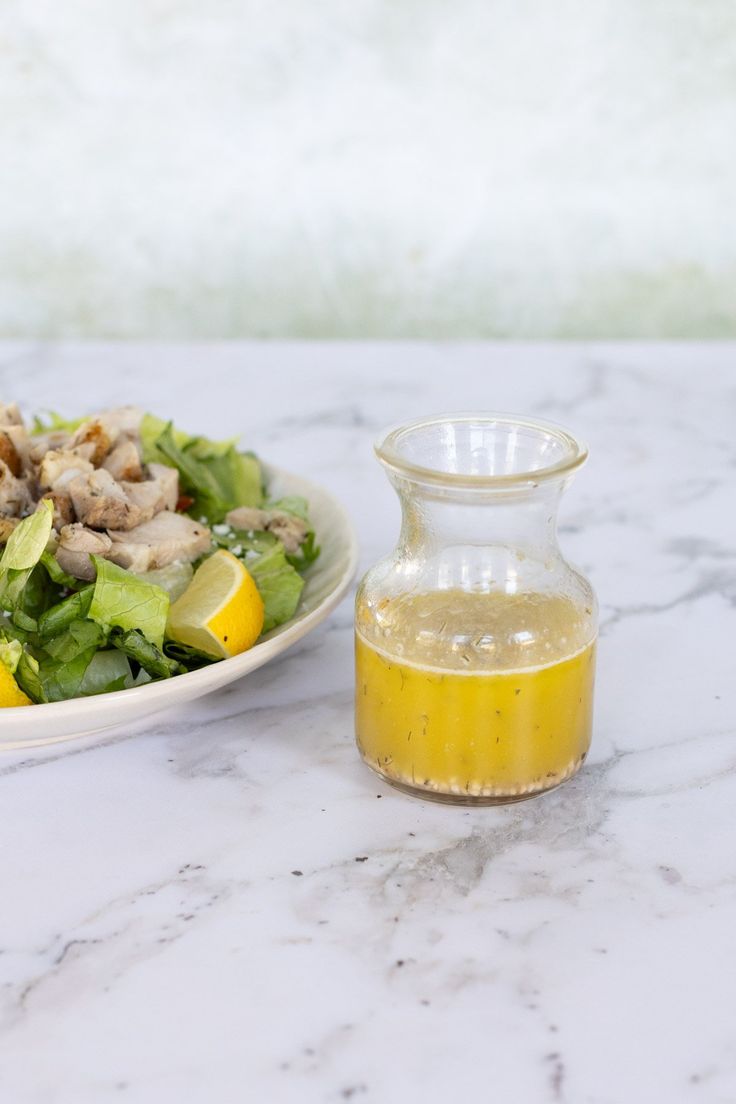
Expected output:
{"points": [[327, 582]]}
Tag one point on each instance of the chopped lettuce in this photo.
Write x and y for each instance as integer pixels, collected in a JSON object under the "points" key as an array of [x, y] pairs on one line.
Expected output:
{"points": [[279, 584], [107, 671], [27, 675], [63, 662], [214, 474], [150, 658], [78, 637], [151, 429], [10, 653], [57, 618], [188, 659], [26, 544], [123, 599], [174, 578]]}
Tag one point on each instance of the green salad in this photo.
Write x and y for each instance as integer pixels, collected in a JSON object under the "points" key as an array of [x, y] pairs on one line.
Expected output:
{"points": [[104, 524]]}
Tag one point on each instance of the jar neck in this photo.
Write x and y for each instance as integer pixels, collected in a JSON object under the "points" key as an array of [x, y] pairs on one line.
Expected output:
{"points": [[525, 520]]}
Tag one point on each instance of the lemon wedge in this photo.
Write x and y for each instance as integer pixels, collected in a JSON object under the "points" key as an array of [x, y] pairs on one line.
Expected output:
{"points": [[221, 612], [10, 692]]}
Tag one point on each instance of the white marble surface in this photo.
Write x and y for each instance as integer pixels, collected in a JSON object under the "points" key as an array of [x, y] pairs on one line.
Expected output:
{"points": [[225, 905]]}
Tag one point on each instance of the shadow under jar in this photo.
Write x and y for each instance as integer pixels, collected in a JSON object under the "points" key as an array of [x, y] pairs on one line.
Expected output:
{"points": [[475, 639]]}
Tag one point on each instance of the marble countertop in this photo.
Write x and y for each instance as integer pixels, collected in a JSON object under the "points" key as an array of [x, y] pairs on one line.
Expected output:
{"points": [[223, 904]]}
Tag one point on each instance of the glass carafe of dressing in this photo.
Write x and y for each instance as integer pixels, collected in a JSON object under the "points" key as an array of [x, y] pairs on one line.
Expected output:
{"points": [[475, 639]]}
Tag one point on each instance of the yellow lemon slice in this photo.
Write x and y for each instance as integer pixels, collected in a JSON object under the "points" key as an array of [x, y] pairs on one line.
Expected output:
{"points": [[10, 691], [221, 611]]}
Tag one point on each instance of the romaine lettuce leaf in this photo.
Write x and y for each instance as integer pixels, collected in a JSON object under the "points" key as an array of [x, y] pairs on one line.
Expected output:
{"points": [[80, 636], [279, 584], [28, 540], [215, 474], [107, 671], [146, 654], [174, 578], [26, 544], [188, 658], [122, 599], [63, 679], [63, 662], [38, 594], [10, 653], [237, 474], [24, 621], [28, 678], [150, 431], [57, 618]]}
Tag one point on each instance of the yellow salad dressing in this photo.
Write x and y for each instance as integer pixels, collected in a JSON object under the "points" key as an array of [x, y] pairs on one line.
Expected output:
{"points": [[489, 695]]}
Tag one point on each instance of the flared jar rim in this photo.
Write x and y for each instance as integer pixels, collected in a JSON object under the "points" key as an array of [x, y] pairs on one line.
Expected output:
{"points": [[388, 449]]}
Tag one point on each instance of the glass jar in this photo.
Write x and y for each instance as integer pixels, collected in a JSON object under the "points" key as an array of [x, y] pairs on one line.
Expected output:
{"points": [[475, 639]]}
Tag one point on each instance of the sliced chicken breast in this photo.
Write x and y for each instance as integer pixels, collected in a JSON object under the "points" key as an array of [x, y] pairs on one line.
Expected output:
{"points": [[122, 421], [10, 414], [124, 462], [59, 467], [160, 491], [63, 508], [21, 441], [41, 443], [16, 499], [168, 537], [93, 440], [9, 453], [7, 525], [289, 529], [76, 545], [102, 503]]}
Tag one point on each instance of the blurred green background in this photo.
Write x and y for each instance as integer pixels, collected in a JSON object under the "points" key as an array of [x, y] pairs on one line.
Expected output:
{"points": [[378, 168]]}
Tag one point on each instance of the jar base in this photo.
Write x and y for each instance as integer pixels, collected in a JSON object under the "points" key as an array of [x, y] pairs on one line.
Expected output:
{"points": [[468, 800]]}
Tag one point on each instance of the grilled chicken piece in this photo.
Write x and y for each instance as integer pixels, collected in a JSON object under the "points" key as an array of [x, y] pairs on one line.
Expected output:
{"points": [[10, 414], [63, 508], [59, 467], [102, 503], [76, 545], [7, 525], [163, 540], [92, 440], [160, 491], [22, 442], [124, 462], [247, 517], [9, 454], [121, 421], [41, 443], [16, 499], [290, 530]]}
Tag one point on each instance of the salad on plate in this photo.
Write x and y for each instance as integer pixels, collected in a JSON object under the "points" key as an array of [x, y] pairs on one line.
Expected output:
{"points": [[132, 551]]}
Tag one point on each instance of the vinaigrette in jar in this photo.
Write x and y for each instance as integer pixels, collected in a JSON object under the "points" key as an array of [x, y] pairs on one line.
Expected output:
{"points": [[474, 695], [475, 638]]}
